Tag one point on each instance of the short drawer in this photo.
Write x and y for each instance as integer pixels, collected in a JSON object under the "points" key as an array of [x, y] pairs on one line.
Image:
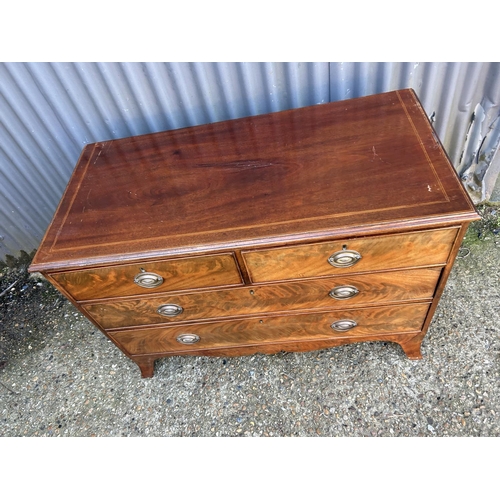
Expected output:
{"points": [[150, 277], [374, 321], [417, 249], [326, 293]]}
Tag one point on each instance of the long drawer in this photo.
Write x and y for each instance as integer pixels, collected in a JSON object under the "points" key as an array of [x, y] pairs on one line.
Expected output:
{"points": [[327, 293], [174, 339], [150, 277], [417, 249]]}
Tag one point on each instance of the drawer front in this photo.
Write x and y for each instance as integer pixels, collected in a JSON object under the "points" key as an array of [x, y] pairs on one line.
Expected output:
{"points": [[423, 248], [327, 293], [175, 274], [245, 332]]}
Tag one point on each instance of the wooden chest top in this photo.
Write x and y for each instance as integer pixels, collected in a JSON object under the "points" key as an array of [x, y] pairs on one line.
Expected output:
{"points": [[365, 165]]}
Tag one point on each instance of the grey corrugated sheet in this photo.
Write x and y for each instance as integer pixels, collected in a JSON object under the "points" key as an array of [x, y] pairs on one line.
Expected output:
{"points": [[49, 111]]}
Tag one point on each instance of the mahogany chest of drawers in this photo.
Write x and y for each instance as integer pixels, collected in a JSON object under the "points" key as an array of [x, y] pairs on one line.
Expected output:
{"points": [[292, 231]]}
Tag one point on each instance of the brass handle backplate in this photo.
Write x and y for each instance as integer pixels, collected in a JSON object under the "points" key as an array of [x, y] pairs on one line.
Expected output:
{"points": [[170, 310], [344, 258], [343, 325], [343, 292], [188, 338], [148, 280]]}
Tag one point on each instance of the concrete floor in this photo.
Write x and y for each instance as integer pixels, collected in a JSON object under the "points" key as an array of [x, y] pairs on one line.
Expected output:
{"points": [[59, 376]]}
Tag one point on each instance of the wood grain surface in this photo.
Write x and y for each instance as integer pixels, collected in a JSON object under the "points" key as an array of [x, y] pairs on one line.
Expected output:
{"points": [[416, 284], [420, 248], [362, 164], [409, 343], [240, 217], [294, 327], [177, 274]]}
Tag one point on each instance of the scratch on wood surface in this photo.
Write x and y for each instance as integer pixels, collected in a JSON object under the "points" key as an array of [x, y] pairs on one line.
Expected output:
{"points": [[104, 146], [87, 200], [241, 164], [97, 157]]}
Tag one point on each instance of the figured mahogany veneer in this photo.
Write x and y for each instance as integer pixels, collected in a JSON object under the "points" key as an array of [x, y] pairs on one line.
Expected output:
{"points": [[298, 230], [396, 286], [177, 274], [275, 329], [378, 252]]}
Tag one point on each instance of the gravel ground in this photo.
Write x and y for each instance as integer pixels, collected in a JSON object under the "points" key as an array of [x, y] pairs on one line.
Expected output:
{"points": [[59, 376]]}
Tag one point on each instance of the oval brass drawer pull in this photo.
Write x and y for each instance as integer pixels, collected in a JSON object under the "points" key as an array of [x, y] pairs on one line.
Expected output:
{"points": [[170, 310], [343, 292], [188, 338], [148, 280], [344, 258], [343, 325]]}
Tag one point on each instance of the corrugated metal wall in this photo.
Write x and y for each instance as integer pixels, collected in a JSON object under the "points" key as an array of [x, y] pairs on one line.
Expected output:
{"points": [[49, 111]]}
